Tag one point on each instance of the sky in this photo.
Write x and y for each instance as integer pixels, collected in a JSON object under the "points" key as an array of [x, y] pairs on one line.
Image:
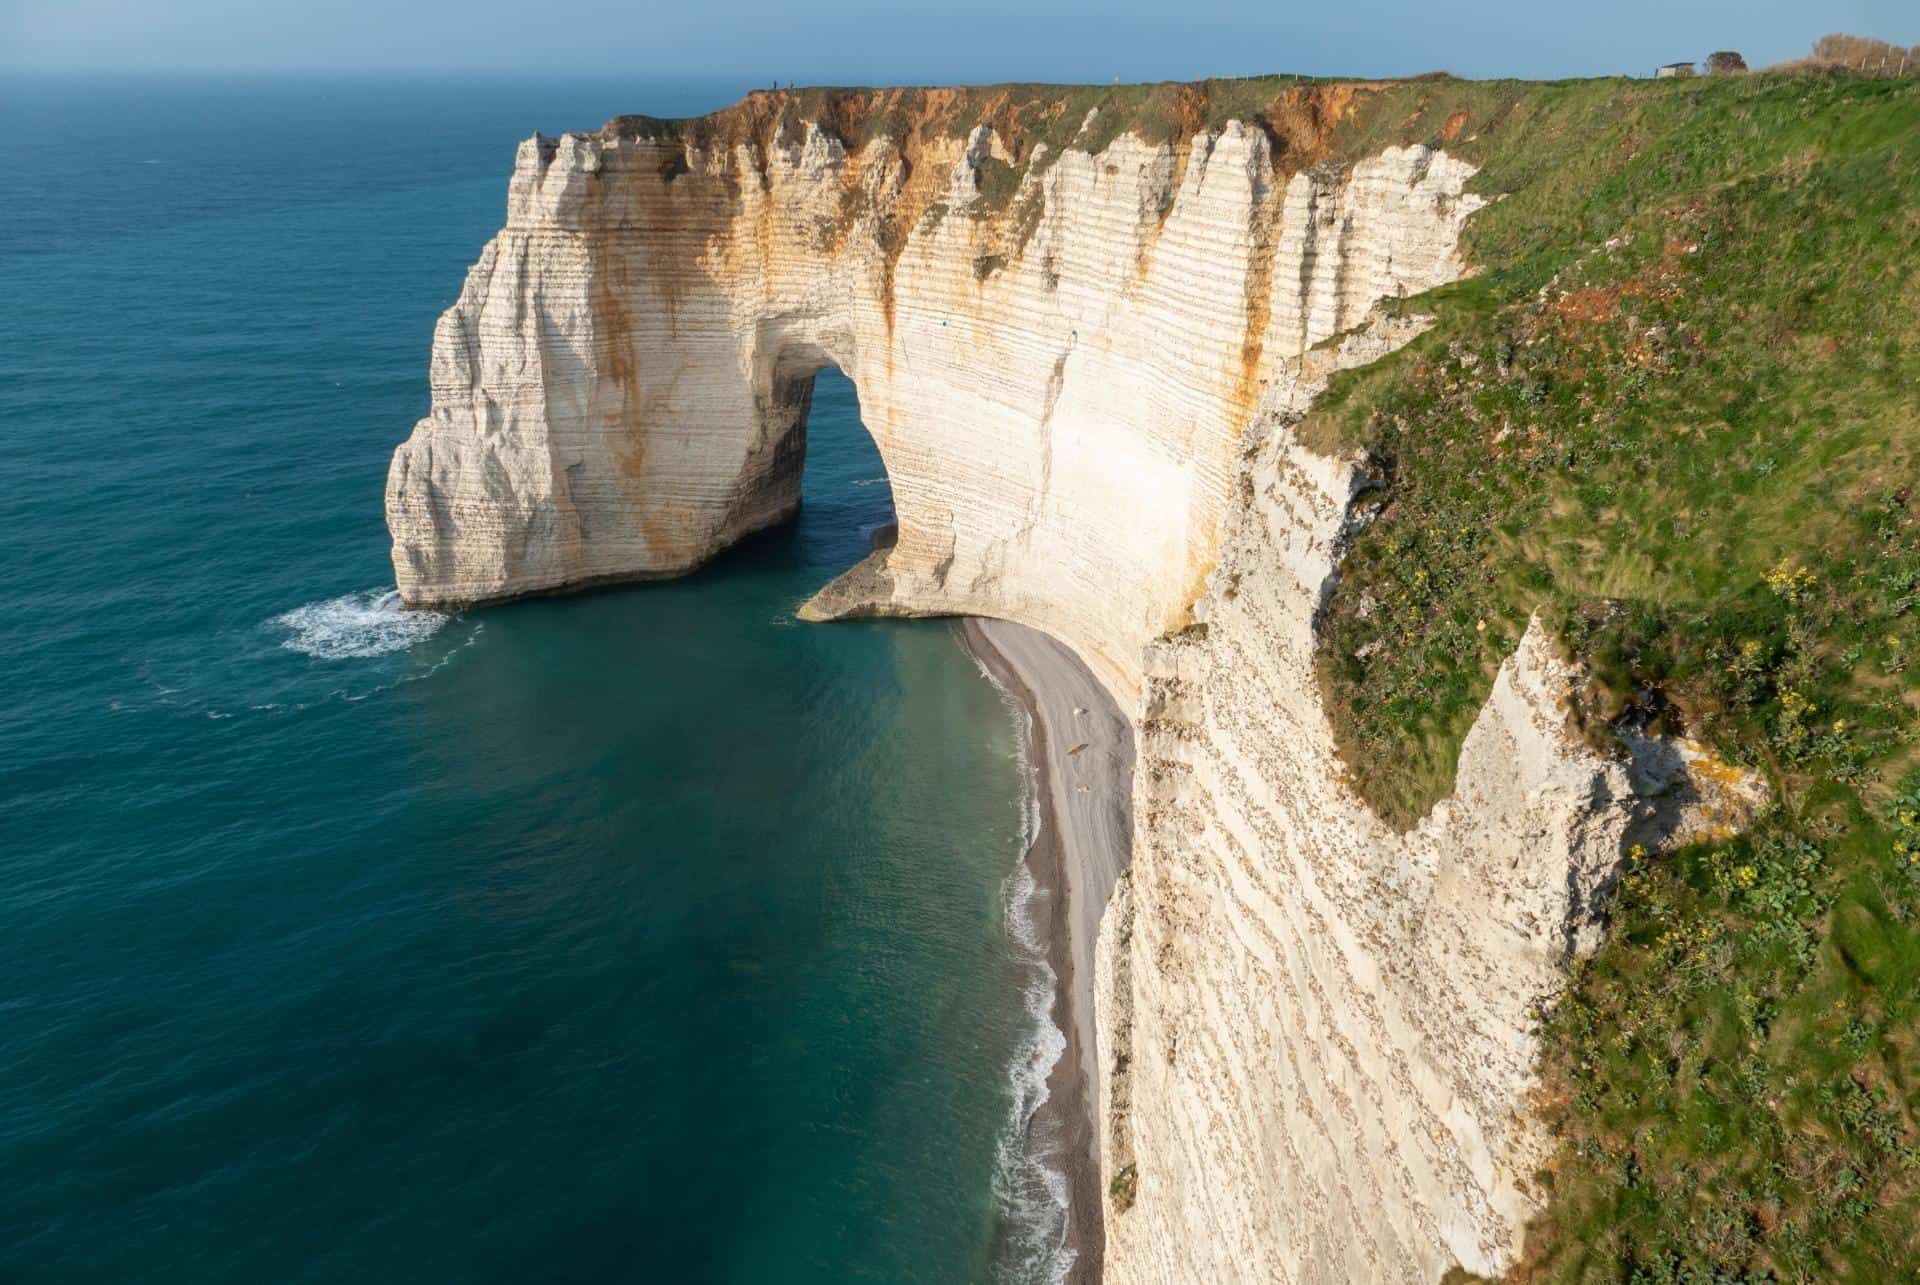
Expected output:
{"points": [[867, 42]]}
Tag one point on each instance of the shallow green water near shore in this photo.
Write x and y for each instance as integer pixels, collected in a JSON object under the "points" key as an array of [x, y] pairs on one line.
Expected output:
{"points": [[643, 935]]}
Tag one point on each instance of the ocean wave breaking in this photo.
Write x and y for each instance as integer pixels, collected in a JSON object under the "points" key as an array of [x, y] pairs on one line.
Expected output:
{"points": [[356, 626], [1028, 1179]]}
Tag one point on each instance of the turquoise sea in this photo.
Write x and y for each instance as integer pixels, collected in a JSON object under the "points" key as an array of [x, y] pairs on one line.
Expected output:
{"points": [[640, 936]]}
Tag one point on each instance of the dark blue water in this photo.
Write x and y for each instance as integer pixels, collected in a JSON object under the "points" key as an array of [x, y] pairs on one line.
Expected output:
{"points": [[638, 936]]}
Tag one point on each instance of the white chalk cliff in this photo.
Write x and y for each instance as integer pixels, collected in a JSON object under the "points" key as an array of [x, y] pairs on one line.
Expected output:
{"points": [[1315, 1035]]}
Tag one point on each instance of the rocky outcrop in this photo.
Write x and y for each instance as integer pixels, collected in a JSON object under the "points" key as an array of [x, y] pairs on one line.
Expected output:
{"points": [[1081, 361], [1057, 382], [1292, 990]]}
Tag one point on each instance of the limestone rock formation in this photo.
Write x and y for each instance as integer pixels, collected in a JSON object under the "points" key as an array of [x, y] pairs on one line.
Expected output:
{"points": [[1081, 365], [1057, 388], [1291, 989]]}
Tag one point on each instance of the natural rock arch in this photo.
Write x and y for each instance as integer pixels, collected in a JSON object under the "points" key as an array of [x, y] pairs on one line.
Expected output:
{"points": [[1081, 370], [1059, 404]]}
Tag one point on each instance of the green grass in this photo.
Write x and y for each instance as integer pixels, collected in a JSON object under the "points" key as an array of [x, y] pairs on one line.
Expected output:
{"points": [[1733, 1077], [1731, 386], [1678, 415], [1307, 119]]}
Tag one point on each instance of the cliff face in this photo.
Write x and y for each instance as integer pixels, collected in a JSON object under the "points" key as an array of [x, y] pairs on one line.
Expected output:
{"points": [[1081, 360], [1339, 1017], [1057, 381]]}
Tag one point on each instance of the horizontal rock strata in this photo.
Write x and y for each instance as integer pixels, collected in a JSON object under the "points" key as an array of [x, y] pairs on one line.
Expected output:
{"points": [[1057, 385], [1081, 366], [1292, 990]]}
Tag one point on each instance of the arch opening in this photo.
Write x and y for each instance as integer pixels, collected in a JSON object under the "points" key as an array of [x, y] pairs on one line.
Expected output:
{"points": [[805, 384], [843, 490]]}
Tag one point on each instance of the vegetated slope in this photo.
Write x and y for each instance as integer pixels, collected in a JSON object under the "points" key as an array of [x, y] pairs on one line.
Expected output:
{"points": [[1307, 121], [1679, 413]]}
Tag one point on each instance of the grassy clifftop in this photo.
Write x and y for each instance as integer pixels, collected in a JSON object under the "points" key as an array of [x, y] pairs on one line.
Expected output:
{"points": [[1307, 120], [1679, 414]]}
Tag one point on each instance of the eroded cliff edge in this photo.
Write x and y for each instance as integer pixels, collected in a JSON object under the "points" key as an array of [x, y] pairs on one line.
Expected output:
{"points": [[1291, 989], [1056, 355], [1080, 345]]}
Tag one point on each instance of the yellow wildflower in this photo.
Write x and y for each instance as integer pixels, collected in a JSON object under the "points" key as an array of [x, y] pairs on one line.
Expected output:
{"points": [[1790, 581]]}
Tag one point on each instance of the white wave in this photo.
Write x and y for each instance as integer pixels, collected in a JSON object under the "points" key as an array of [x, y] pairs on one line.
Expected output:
{"points": [[1028, 1180], [356, 626]]}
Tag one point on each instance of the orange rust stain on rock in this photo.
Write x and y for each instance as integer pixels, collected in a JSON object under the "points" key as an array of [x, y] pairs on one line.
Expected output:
{"points": [[1302, 119], [1191, 106], [668, 529], [1190, 109], [630, 405], [625, 422], [918, 134], [1259, 300], [922, 174], [1203, 556], [901, 145]]}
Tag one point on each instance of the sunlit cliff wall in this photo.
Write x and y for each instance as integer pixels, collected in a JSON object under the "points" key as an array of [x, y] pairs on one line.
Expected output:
{"points": [[1081, 360]]}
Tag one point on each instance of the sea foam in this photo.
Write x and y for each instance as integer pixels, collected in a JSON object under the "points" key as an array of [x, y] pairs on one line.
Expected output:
{"points": [[1031, 1190], [357, 625]]}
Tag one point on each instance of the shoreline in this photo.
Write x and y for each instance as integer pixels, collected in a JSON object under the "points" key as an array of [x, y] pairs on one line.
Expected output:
{"points": [[1080, 749]]}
